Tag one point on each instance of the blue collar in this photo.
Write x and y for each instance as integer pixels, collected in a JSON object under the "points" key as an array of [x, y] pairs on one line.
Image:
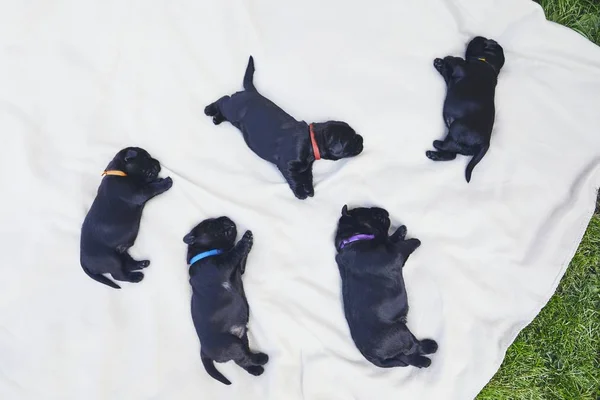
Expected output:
{"points": [[200, 256]]}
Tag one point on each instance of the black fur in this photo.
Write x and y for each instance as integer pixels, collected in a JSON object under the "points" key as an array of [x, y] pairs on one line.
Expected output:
{"points": [[469, 110], [278, 138], [375, 302], [111, 226], [219, 307]]}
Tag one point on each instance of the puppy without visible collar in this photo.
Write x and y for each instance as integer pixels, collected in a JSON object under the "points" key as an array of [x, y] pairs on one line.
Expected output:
{"points": [[277, 137], [469, 109], [220, 311]]}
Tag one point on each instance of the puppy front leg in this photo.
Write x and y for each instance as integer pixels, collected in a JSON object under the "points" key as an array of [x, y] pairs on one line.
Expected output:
{"points": [[241, 249], [299, 177], [307, 180], [399, 234], [447, 66], [407, 247], [152, 189]]}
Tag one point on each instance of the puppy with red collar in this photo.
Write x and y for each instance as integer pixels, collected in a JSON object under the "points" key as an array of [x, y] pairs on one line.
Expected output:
{"points": [[277, 137]]}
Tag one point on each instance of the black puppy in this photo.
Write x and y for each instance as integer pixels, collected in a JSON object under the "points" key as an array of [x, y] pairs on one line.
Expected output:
{"points": [[375, 301], [112, 224], [277, 137], [469, 107], [219, 306]]}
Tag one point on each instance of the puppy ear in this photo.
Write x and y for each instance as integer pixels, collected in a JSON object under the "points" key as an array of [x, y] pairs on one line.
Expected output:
{"points": [[345, 211], [189, 239], [130, 154]]}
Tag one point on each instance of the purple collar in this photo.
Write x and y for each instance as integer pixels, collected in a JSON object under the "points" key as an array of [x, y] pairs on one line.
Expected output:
{"points": [[355, 238]]}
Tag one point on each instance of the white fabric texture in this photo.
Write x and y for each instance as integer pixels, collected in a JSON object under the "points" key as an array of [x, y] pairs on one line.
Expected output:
{"points": [[80, 79]]}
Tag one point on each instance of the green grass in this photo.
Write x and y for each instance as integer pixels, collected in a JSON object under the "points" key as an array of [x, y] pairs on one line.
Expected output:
{"points": [[582, 16], [558, 355]]}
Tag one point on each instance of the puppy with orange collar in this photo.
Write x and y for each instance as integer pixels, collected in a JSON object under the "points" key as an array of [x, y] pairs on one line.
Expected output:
{"points": [[111, 226], [277, 137]]}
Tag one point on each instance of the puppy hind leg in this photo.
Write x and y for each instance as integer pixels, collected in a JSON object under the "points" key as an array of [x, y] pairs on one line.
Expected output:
{"points": [[133, 265], [213, 110], [246, 359], [447, 145], [133, 277], [398, 361], [115, 265], [259, 357], [428, 346], [125, 275], [440, 155], [419, 361]]}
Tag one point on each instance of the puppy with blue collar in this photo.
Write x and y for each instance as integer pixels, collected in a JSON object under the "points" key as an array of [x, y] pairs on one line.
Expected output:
{"points": [[220, 311]]}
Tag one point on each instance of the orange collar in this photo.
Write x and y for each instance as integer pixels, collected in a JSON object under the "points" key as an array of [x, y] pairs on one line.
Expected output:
{"points": [[314, 143], [114, 172]]}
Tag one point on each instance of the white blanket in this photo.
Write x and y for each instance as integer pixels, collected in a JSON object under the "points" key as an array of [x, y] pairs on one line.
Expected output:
{"points": [[80, 79]]}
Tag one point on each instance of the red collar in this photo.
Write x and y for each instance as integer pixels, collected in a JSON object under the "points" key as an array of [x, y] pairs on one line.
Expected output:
{"points": [[313, 141]]}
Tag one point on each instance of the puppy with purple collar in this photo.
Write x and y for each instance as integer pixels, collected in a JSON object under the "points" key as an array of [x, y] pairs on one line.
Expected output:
{"points": [[220, 311], [374, 295]]}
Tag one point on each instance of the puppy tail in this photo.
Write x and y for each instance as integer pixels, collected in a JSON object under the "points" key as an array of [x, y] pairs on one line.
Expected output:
{"points": [[249, 76], [475, 160], [101, 278], [209, 366]]}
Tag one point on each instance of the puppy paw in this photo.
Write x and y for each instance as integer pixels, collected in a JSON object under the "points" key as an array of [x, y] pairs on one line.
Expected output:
{"points": [[400, 233], [432, 155], [143, 264], [421, 362], [261, 358], [309, 190], [428, 346], [300, 193], [209, 110], [439, 64], [256, 370], [164, 183], [413, 243], [217, 119], [438, 144], [248, 239], [135, 277]]}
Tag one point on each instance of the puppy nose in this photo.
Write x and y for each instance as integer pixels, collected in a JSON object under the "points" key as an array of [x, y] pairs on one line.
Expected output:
{"points": [[359, 145]]}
